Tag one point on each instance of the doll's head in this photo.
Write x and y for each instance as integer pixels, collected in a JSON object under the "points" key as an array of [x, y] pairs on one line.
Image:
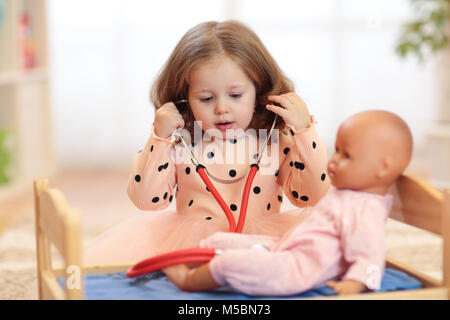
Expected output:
{"points": [[206, 64], [373, 148]]}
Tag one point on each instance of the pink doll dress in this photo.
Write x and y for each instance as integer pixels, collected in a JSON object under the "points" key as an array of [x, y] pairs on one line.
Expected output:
{"points": [[342, 237], [163, 172]]}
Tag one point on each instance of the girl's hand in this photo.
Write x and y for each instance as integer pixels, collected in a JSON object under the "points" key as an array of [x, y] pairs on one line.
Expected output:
{"points": [[293, 110], [167, 119]]}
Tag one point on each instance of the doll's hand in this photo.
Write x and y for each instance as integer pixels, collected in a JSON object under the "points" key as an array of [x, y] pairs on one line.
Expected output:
{"points": [[167, 119], [293, 110], [346, 287]]}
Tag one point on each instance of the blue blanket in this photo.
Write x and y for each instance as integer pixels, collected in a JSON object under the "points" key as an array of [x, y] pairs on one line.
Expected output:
{"points": [[156, 286]]}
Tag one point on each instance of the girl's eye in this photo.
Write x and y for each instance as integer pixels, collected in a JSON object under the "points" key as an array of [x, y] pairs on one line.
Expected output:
{"points": [[207, 99], [236, 95], [346, 155]]}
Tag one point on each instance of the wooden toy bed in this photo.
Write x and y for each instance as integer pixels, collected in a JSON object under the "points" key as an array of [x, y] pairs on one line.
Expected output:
{"points": [[416, 203]]}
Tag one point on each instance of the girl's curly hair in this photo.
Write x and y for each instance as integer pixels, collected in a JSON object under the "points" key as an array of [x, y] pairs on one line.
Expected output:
{"points": [[237, 41]]}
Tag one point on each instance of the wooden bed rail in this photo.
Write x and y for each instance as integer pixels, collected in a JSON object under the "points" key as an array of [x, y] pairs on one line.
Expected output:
{"points": [[59, 225], [446, 241]]}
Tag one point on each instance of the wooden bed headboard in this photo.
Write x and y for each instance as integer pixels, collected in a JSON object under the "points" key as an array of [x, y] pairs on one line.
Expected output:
{"points": [[417, 203]]}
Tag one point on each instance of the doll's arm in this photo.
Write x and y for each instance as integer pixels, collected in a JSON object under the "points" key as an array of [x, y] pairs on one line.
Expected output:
{"points": [[303, 168], [231, 240], [152, 179], [191, 280]]}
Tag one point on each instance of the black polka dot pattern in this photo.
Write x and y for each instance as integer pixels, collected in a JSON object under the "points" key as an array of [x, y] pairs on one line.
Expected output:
{"points": [[233, 173], [163, 167], [299, 165]]}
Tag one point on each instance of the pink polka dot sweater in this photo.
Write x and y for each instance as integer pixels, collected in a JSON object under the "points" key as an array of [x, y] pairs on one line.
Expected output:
{"points": [[293, 166]]}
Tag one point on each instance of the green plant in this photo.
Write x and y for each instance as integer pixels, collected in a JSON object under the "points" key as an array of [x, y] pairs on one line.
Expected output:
{"points": [[5, 157], [428, 32]]}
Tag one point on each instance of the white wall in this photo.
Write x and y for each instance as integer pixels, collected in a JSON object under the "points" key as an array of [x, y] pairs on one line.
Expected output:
{"points": [[340, 54]]}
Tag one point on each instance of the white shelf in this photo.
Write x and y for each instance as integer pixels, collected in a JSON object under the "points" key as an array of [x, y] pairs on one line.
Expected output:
{"points": [[24, 94], [26, 76], [439, 131]]}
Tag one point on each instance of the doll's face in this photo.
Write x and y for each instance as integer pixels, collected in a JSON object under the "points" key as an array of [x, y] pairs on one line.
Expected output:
{"points": [[372, 149], [356, 160], [221, 95]]}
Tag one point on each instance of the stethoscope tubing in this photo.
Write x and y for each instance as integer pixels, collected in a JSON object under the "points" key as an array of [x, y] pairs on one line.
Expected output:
{"points": [[231, 222], [244, 203], [164, 260]]}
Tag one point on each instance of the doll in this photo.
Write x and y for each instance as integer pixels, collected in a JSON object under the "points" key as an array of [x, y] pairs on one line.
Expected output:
{"points": [[341, 243]]}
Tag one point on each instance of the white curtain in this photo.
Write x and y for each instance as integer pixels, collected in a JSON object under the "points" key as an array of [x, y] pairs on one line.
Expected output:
{"points": [[339, 53]]}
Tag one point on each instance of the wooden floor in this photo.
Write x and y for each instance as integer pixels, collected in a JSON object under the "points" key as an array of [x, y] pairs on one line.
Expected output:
{"points": [[99, 195], [13, 209]]}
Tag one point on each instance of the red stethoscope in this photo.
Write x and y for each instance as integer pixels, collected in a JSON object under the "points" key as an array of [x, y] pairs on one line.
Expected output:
{"points": [[202, 255]]}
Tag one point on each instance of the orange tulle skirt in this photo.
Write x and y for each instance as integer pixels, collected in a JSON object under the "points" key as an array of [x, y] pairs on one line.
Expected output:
{"points": [[147, 234]]}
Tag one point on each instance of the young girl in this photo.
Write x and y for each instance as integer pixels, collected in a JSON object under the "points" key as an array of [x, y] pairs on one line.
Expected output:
{"points": [[342, 238], [221, 76]]}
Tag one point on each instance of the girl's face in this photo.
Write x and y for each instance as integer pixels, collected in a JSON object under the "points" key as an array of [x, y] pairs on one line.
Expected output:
{"points": [[221, 95]]}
